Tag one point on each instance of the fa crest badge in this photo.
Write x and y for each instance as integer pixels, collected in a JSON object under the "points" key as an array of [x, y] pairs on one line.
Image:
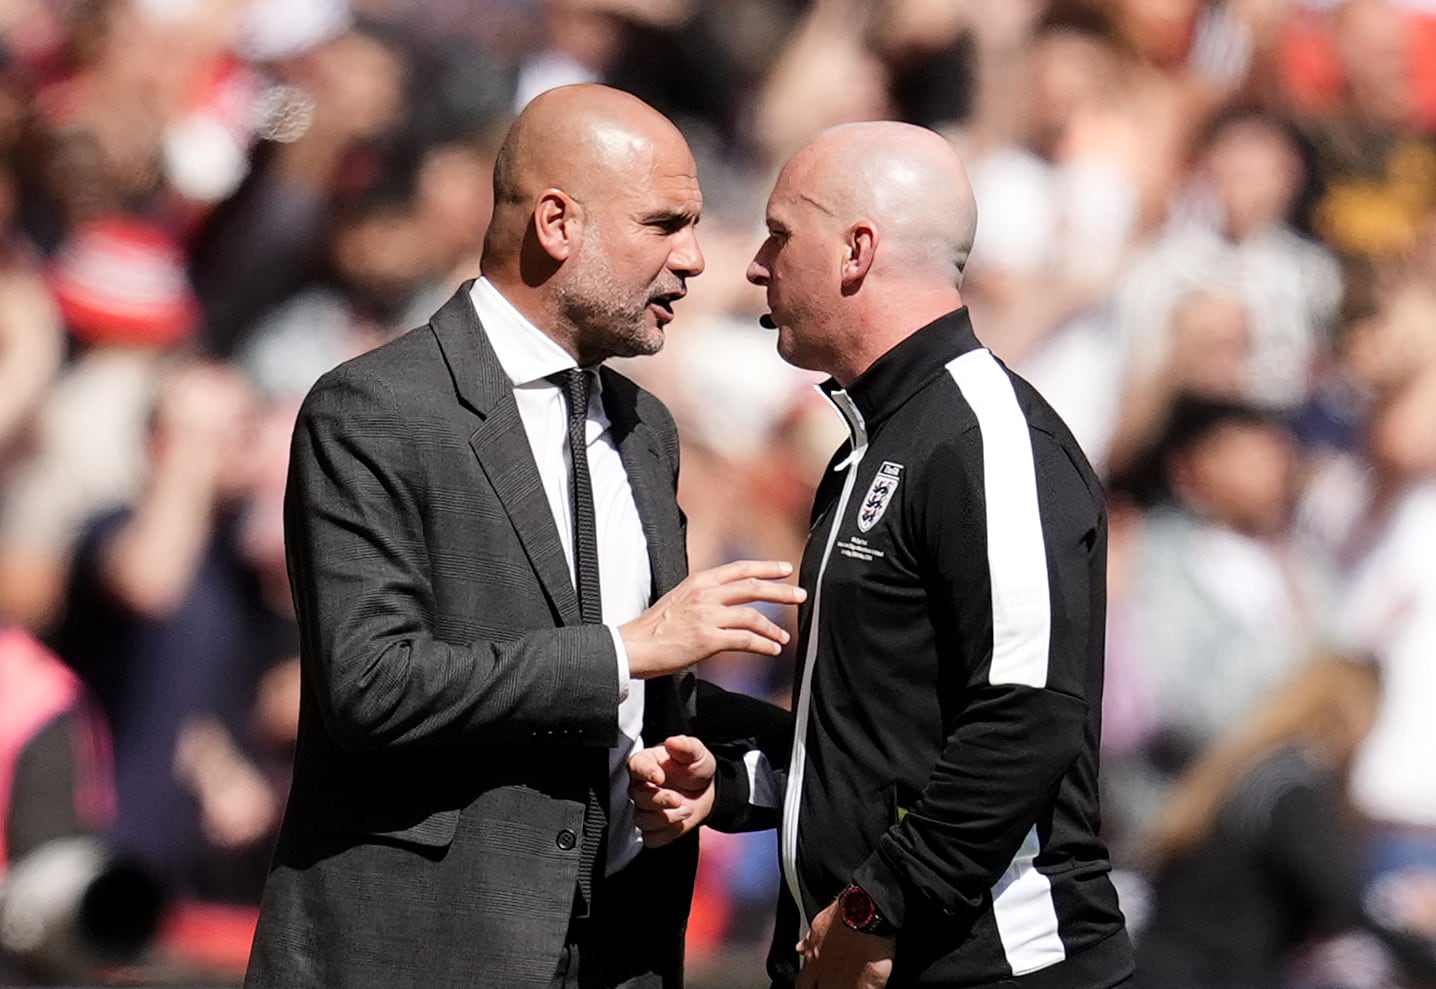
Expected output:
{"points": [[880, 493]]}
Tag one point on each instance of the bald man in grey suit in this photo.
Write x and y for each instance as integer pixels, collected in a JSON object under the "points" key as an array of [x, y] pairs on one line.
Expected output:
{"points": [[458, 815]]}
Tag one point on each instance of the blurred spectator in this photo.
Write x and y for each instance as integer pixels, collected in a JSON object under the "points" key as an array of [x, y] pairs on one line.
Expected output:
{"points": [[1389, 609], [378, 255], [168, 623], [930, 52], [31, 333], [67, 905], [106, 104], [1342, 389], [1185, 60], [1371, 512], [823, 76], [1217, 606], [1256, 853], [122, 291], [55, 779], [622, 42], [332, 101], [707, 96], [1232, 229], [581, 41], [1060, 197], [1375, 158], [453, 198], [392, 255], [1059, 192], [1208, 352]]}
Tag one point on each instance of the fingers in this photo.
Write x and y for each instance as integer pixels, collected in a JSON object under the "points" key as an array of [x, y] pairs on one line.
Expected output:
{"points": [[727, 573], [686, 750], [647, 797], [690, 767], [646, 784], [663, 775], [644, 766], [749, 630], [661, 820], [648, 765], [709, 613], [750, 589], [659, 827], [808, 945], [670, 786], [746, 642]]}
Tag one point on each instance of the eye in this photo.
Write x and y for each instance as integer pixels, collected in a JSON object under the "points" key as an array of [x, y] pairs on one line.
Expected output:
{"points": [[668, 225]]}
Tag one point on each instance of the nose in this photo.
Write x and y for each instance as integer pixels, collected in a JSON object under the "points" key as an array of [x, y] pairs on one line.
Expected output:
{"points": [[686, 260], [757, 272]]}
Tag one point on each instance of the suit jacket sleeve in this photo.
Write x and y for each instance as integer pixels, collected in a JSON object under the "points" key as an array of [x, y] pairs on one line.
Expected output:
{"points": [[356, 521]]}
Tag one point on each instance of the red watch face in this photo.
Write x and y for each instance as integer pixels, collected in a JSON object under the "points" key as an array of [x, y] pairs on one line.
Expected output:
{"points": [[858, 909]]}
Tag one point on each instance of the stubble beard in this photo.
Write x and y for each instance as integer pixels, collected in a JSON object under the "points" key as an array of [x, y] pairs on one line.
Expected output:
{"points": [[607, 315]]}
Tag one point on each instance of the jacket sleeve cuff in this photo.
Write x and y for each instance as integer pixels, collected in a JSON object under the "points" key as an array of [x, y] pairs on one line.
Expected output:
{"points": [[730, 790], [883, 885], [625, 674]]}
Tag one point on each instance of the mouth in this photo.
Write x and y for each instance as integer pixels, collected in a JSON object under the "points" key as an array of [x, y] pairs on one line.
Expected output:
{"points": [[766, 321], [662, 306]]}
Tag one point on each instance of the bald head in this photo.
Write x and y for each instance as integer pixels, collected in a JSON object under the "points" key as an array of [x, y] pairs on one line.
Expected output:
{"points": [[907, 181], [592, 238], [869, 229], [586, 140]]}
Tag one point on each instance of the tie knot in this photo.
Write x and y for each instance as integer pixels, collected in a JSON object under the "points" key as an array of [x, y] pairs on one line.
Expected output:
{"points": [[577, 384]]}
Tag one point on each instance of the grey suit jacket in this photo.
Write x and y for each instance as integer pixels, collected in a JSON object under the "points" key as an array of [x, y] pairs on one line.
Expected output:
{"points": [[454, 709]]}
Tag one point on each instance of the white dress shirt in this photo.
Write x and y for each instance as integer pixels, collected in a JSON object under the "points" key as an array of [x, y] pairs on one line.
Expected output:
{"points": [[528, 356]]}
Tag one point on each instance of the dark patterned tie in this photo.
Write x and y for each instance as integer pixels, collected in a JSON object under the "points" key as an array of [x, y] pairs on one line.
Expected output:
{"points": [[576, 383]]}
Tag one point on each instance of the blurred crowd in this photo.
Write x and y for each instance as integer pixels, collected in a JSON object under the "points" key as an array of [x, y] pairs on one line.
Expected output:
{"points": [[1207, 233]]}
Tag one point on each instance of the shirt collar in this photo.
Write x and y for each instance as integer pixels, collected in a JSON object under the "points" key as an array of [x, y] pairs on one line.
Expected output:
{"points": [[904, 370], [527, 354]]}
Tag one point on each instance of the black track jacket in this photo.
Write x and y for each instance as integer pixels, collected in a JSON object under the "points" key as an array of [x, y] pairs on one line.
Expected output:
{"points": [[949, 688]]}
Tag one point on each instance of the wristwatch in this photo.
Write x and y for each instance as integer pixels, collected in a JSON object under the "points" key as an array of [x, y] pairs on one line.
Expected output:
{"points": [[858, 911]]}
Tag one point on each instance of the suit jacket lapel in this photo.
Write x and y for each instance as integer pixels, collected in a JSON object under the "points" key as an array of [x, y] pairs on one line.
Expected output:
{"points": [[650, 480], [502, 447], [668, 701]]}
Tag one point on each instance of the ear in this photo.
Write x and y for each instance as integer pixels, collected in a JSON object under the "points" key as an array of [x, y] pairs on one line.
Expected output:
{"points": [[860, 246], [557, 223]]}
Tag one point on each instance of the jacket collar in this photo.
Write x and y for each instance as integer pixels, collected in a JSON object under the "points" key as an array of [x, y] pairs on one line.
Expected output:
{"points": [[479, 378], [503, 452], [903, 371], [528, 355]]}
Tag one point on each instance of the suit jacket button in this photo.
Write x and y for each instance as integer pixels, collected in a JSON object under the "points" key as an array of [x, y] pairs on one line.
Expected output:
{"points": [[566, 840]]}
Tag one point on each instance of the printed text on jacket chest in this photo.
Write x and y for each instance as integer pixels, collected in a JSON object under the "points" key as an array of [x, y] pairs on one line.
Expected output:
{"points": [[871, 510]]}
